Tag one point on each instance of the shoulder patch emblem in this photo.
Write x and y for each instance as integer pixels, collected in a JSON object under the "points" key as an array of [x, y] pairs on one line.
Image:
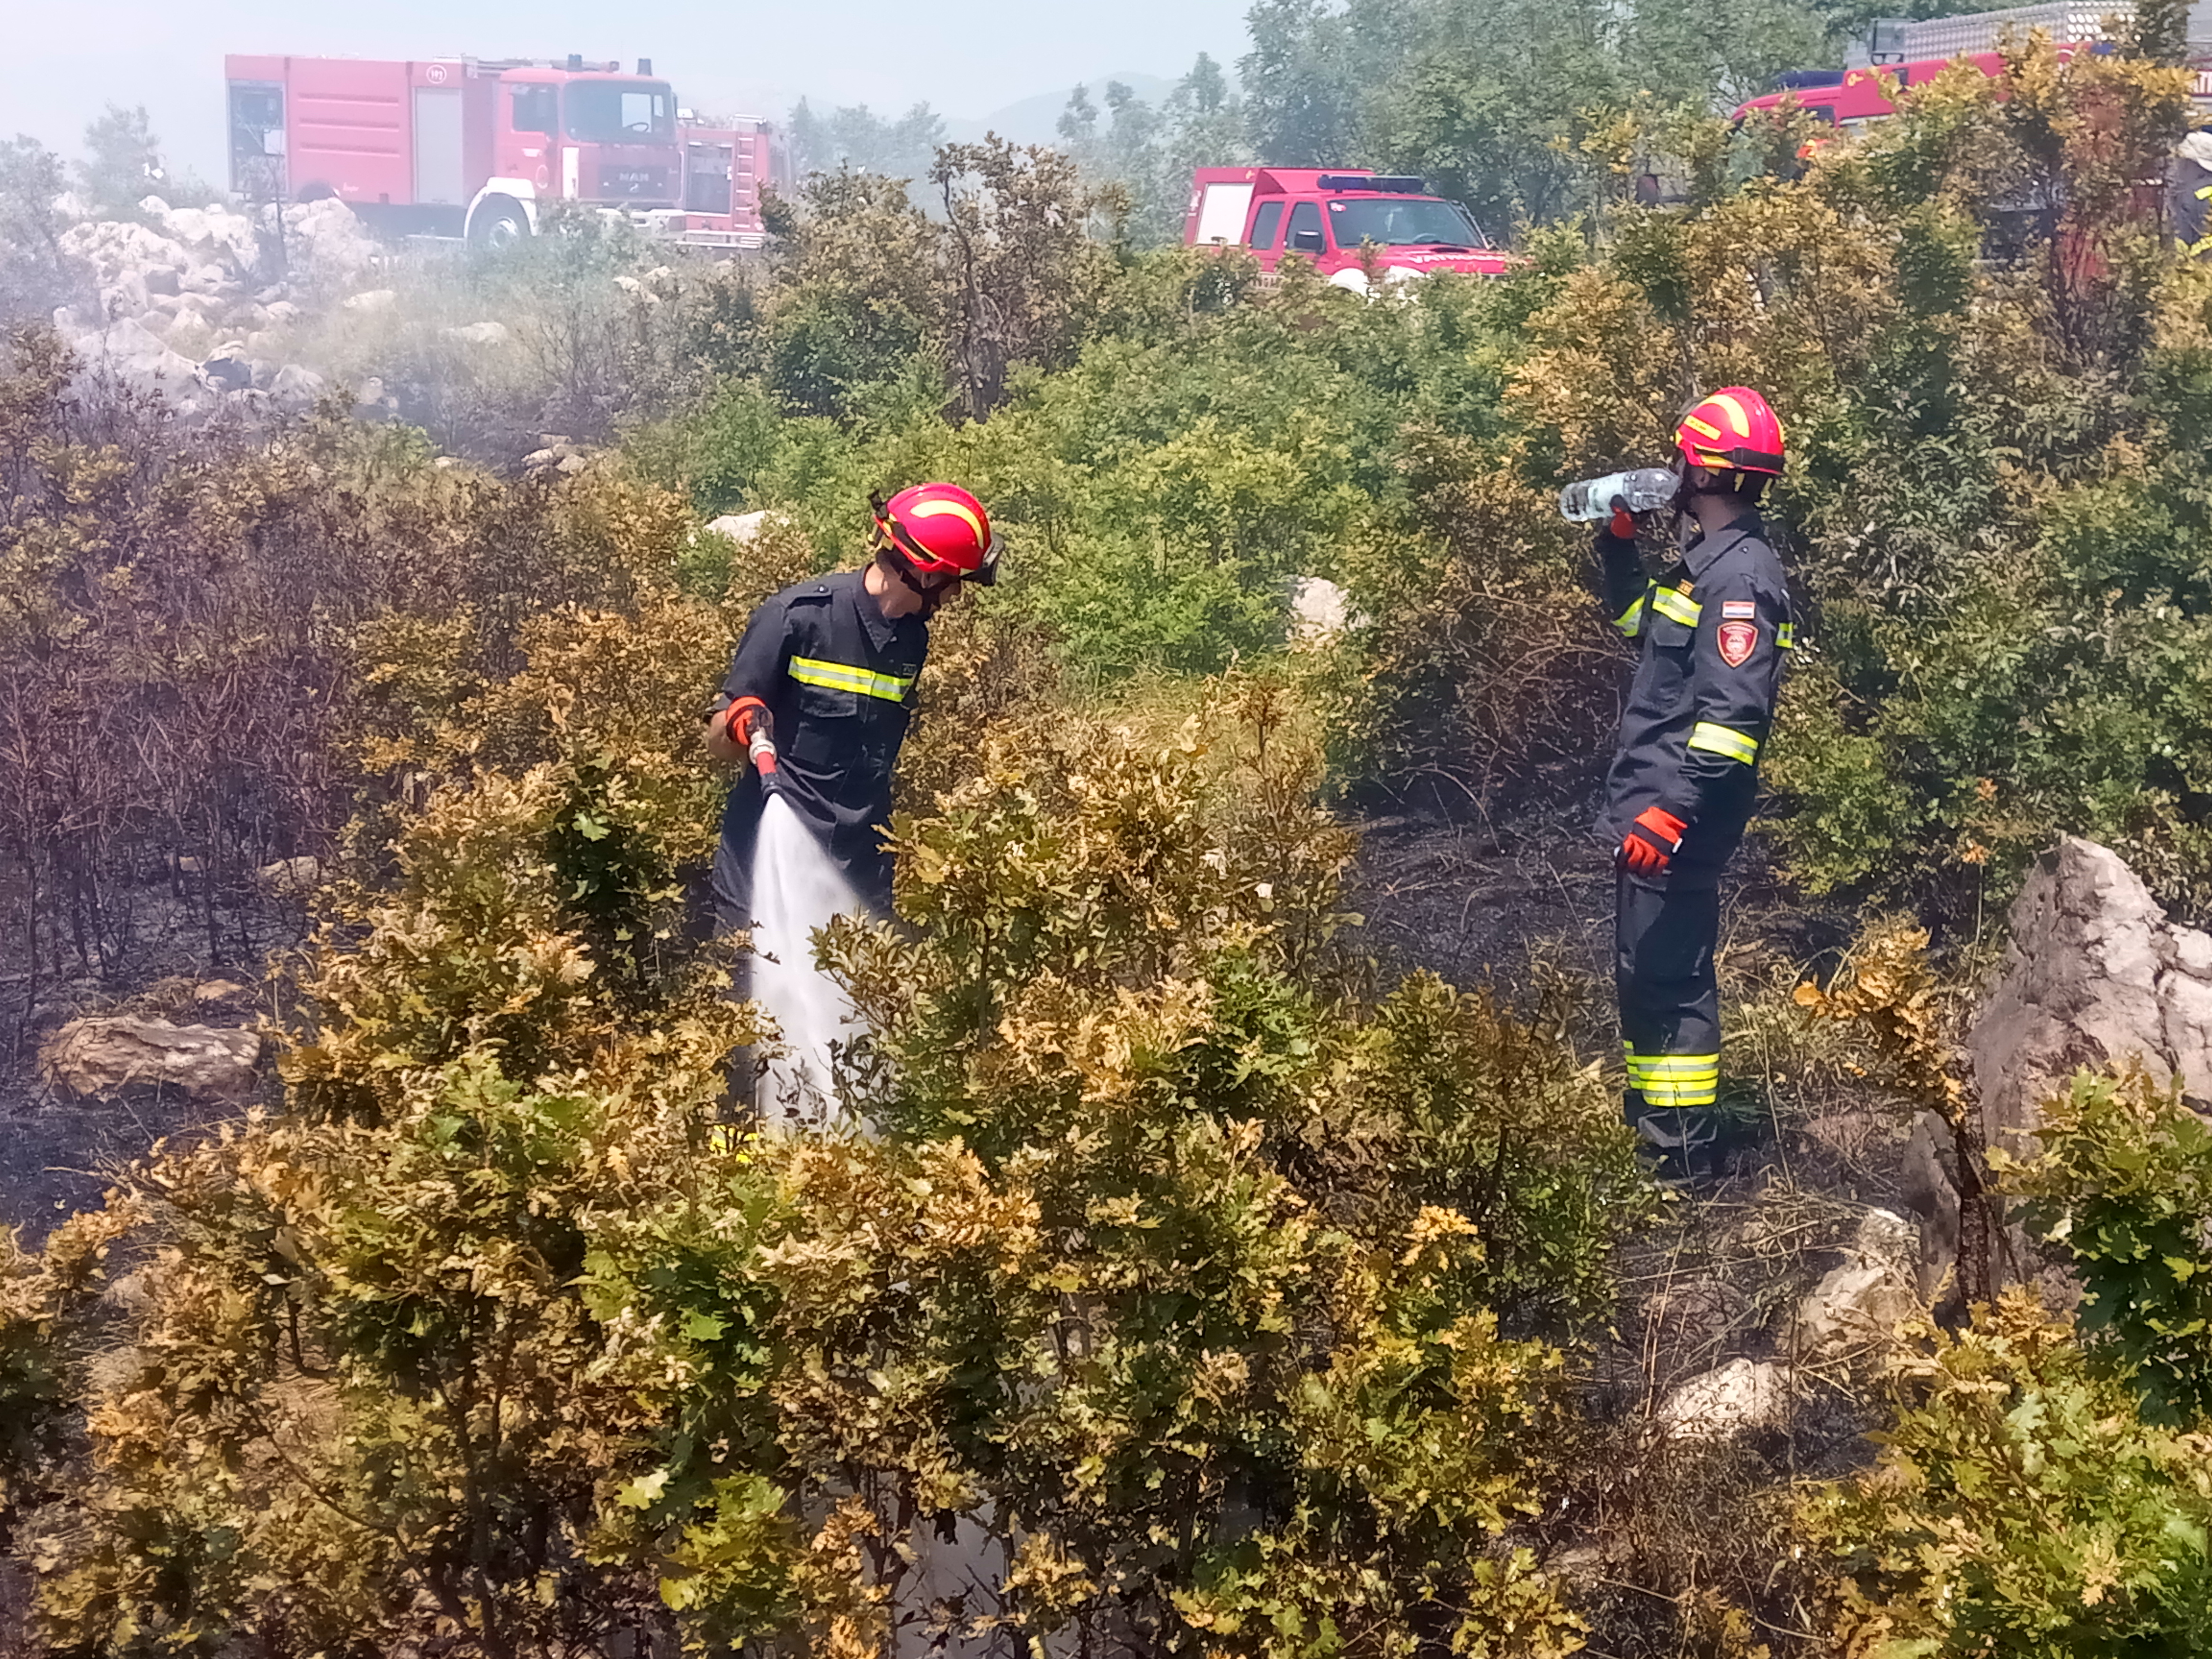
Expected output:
{"points": [[1737, 641], [1739, 609]]}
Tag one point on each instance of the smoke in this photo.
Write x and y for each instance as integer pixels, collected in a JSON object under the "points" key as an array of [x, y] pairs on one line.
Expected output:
{"points": [[796, 890]]}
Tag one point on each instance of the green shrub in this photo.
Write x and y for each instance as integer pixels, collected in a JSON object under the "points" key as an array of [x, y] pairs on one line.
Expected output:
{"points": [[2021, 1506], [2123, 1190]]}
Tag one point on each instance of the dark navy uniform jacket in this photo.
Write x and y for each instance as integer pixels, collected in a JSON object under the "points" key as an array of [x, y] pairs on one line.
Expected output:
{"points": [[1714, 632], [838, 677]]}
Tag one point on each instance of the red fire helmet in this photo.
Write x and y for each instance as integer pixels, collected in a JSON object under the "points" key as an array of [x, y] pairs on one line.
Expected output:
{"points": [[941, 529], [1732, 430]]}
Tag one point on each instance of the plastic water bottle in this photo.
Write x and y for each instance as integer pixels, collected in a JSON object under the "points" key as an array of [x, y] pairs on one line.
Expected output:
{"points": [[1646, 490]]}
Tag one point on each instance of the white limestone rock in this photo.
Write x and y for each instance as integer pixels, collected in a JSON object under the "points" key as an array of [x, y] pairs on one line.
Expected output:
{"points": [[1854, 1312], [2093, 976], [104, 1055], [1738, 1398]]}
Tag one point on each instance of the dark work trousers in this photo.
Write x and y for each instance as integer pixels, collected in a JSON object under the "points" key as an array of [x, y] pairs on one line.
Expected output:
{"points": [[1664, 937]]}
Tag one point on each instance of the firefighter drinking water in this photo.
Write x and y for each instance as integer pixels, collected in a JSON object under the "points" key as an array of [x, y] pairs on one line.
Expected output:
{"points": [[1712, 633], [818, 698]]}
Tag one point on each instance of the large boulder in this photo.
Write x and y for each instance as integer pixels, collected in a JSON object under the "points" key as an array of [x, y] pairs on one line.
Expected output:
{"points": [[328, 244], [136, 357], [1928, 1182], [1854, 1312], [295, 389], [2093, 976], [1320, 612], [189, 335], [126, 295], [739, 527], [109, 1054], [214, 232], [116, 250], [1740, 1396], [292, 878]]}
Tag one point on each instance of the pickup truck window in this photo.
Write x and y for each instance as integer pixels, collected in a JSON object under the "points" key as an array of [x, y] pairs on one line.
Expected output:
{"points": [[1265, 225], [1403, 221], [1306, 234]]}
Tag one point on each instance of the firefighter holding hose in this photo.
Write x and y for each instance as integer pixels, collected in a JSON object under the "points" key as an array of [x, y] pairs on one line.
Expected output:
{"points": [[1712, 634], [818, 698]]}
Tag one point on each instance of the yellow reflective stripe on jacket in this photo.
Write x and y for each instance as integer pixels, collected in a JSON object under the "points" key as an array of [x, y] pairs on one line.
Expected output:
{"points": [[841, 677], [1724, 740], [1631, 619], [1785, 635], [1680, 607]]}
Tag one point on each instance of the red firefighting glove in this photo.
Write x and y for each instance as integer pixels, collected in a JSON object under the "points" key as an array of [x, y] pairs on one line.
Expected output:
{"points": [[1651, 842], [749, 728]]}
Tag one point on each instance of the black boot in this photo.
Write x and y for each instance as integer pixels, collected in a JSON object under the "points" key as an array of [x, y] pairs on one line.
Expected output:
{"points": [[1682, 1141]]}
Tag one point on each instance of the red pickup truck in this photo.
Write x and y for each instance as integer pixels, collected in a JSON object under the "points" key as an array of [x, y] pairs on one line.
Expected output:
{"points": [[1341, 221]]}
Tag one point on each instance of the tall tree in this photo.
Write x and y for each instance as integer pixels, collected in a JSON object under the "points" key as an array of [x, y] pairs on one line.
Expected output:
{"points": [[1151, 151], [855, 137], [122, 162]]}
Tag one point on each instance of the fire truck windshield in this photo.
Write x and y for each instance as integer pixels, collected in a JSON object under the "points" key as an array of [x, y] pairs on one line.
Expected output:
{"points": [[1402, 221], [617, 111]]}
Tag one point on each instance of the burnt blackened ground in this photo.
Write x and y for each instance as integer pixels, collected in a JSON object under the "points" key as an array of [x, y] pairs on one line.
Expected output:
{"points": [[1519, 899], [58, 1155], [1523, 901]]}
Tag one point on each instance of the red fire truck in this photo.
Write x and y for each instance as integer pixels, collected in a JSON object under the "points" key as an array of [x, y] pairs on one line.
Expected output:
{"points": [[1341, 221], [1906, 53], [472, 147], [725, 169], [1850, 99]]}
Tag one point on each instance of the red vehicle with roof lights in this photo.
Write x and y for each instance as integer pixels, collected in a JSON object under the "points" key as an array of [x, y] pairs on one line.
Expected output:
{"points": [[1849, 98], [465, 146], [1342, 220], [1907, 52]]}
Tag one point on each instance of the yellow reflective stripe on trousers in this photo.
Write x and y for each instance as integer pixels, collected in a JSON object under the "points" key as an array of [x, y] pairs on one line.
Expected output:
{"points": [[1675, 1079], [1724, 740], [841, 677], [1669, 1092], [1679, 606], [1631, 619]]}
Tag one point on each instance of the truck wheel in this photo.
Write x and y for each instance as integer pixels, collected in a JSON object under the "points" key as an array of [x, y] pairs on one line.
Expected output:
{"points": [[499, 223]]}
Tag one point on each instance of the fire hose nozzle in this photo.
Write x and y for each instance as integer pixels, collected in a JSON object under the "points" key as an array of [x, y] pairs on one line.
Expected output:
{"points": [[747, 721]]}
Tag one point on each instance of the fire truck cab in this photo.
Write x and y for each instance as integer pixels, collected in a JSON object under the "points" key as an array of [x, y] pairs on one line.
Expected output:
{"points": [[1341, 220], [470, 146]]}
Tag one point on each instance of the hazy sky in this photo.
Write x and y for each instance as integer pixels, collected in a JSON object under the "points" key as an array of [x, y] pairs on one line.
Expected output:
{"points": [[65, 60]]}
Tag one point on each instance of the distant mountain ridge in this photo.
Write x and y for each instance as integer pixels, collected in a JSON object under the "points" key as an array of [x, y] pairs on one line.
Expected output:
{"points": [[1036, 120]]}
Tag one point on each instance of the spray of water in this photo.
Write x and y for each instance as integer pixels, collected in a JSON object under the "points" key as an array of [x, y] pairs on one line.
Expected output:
{"points": [[797, 889]]}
